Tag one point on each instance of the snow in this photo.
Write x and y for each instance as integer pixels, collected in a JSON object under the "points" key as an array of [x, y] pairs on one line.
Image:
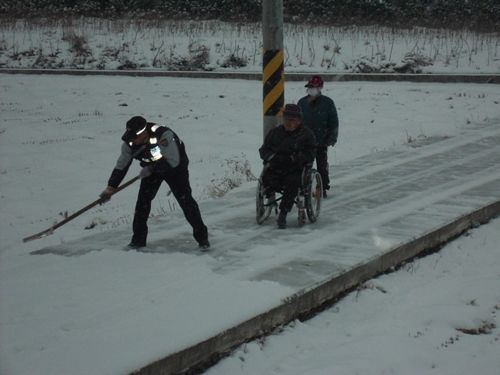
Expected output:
{"points": [[76, 303], [407, 322], [86, 43]]}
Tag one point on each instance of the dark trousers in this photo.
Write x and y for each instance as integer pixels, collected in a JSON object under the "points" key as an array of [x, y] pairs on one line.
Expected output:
{"points": [[286, 181], [178, 181], [322, 165]]}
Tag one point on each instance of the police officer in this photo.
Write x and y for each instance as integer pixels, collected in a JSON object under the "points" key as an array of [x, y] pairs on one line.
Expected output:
{"points": [[320, 115], [163, 158]]}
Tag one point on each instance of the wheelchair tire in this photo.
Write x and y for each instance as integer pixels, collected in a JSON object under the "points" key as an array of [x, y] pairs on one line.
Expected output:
{"points": [[301, 220], [313, 195], [263, 210]]}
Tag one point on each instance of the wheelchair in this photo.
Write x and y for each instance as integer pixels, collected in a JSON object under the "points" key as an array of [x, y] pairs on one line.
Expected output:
{"points": [[308, 200]]}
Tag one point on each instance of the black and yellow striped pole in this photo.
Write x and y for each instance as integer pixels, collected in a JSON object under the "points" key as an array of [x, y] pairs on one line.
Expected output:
{"points": [[273, 78]]}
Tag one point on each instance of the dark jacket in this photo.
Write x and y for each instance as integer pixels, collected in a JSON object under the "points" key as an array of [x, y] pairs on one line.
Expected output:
{"points": [[288, 150], [164, 153], [320, 115]]}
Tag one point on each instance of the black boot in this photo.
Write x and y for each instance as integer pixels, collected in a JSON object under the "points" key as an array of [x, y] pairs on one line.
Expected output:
{"points": [[204, 245], [136, 245], [325, 188], [201, 236], [281, 221]]}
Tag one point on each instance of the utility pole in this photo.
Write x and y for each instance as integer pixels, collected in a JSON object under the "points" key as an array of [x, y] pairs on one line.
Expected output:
{"points": [[273, 78]]}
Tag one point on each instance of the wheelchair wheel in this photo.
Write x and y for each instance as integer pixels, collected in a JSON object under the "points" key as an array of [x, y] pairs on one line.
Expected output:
{"points": [[313, 195], [263, 208]]}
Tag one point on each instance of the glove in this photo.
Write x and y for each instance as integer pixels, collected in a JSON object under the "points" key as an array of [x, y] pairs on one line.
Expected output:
{"points": [[146, 172], [106, 194]]}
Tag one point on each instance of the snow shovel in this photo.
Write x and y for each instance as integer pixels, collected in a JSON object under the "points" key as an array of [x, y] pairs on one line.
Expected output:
{"points": [[50, 230]]}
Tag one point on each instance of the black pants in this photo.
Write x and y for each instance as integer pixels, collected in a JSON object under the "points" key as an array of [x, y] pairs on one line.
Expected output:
{"points": [[286, 181], [322, 165], [178, 181]]}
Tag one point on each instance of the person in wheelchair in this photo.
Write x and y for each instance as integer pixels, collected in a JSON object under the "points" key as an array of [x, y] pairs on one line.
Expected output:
{"points": [[287, 149]]}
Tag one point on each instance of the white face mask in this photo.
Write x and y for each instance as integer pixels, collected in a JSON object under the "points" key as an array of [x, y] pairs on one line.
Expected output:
{"points": [[313, 91]]}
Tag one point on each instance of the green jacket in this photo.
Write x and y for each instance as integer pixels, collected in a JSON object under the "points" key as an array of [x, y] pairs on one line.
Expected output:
{"points": [[320, 115]]}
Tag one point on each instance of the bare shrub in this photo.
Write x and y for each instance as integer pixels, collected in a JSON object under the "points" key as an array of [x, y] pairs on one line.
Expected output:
{"points": [[233, 61], [199, 55], [127, 65], [78, 44], [237, 171], [197, 59], [412, 63], [49, 61]]}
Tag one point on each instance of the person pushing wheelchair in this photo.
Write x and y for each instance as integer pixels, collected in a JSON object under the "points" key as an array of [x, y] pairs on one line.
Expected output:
{"points": [[287, 149]]}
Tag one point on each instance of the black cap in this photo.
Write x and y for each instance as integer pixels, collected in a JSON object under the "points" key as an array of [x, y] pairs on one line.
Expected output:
{"points": [[135, 126], [292, 110]]}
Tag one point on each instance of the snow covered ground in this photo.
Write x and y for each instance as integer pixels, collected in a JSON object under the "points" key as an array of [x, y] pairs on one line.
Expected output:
{"points": [[86, 43], [87, 306], [437, 315]]}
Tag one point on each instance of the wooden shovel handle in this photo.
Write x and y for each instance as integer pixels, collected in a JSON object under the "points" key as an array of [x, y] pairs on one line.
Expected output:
{"points": [[50, 230]]}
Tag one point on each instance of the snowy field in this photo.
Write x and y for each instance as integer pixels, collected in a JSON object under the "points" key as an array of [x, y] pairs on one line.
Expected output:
{"points": [[87, 43], [102, 312]]}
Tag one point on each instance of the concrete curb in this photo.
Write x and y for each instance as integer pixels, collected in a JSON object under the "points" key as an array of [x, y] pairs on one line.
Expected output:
{"points": [[204, 354], [329, 77]]}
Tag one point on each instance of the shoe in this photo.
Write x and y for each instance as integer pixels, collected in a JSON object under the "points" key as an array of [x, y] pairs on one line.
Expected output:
{"points": [[204, 245], [325, 188], [281, 221], [136, 245]]}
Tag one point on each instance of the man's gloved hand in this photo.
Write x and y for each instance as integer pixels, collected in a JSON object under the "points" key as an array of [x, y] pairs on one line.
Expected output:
{"points": [[146, 172], [106, 194]]}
